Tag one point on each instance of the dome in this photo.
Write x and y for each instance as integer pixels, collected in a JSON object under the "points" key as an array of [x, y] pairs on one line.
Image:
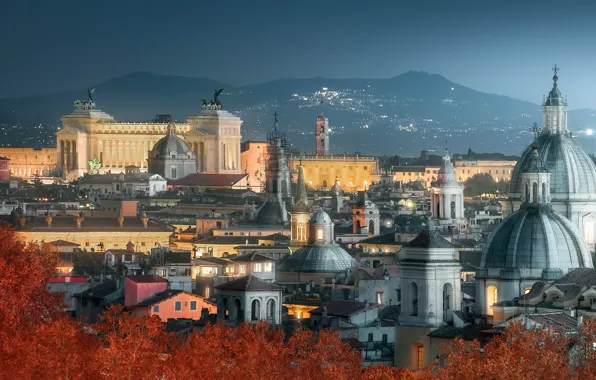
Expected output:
{"points": [[535, 237], [320, 218], [301, 207], [271, 213], [572, 170], [170, 143], [324, 258]]}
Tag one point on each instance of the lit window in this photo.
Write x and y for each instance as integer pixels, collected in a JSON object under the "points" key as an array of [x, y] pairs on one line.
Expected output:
{"points": [[242, 268], [420, 357], [258, 267], [193, 305], [527, 290], [178, 306], [268, 267], [319, 234]]}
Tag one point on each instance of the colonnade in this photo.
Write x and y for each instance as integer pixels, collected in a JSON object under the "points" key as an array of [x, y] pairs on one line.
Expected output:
{"points": [[68, 154]]}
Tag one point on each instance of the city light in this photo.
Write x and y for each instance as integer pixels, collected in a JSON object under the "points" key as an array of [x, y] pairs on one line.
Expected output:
{"points": [[589, 132]]}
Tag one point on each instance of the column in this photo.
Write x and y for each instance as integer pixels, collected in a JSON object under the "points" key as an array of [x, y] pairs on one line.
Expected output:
{"points": [[74, 155], [68, 155], [448, 199], [108, 153], [61, 153], [119, 148]]}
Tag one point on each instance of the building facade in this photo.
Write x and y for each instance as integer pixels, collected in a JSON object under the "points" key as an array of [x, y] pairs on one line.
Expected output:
{"points": [[322, 136]]}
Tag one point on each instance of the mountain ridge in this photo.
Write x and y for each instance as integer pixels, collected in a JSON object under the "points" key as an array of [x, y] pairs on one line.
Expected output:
{"points": [[411, 111]]}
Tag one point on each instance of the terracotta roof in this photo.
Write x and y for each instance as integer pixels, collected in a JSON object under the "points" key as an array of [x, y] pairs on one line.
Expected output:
{"points": [[202, 179], [345, 308], [161, 296], [146, 278], [249, 283]]}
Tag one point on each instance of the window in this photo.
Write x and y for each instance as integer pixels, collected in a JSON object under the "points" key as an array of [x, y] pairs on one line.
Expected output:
{"points": [[156, 309], [178, 306], [420, 358], [556, 298], [527, 290], [242, 268], [258, 267], [193, 305], [380, 298], [268, 267], [370, 337], [384, 338], [207, 292], [173, 172], [320, 234]]}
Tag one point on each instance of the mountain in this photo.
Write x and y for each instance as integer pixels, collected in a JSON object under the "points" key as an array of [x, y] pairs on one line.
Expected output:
{"points": [[399, 115]]}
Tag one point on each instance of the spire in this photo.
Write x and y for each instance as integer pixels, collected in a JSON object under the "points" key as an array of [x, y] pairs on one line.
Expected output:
{"points": [[301, 186], [554, 97], [275, 121], [554, 109]]}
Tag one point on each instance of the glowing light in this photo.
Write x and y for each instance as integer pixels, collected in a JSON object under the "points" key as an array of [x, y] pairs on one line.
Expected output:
{"points": [[589, 132]]}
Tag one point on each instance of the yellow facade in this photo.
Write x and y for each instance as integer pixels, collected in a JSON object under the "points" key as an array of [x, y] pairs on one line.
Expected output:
{"points": [[355, 173], [407, 174], [29, 162], [499, 170]]}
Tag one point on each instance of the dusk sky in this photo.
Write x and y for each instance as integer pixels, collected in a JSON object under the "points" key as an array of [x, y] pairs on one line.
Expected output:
{"points": [[506, 48]]}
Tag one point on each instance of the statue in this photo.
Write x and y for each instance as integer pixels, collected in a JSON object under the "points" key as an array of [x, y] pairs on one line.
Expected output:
{"points": [[88, 104], [94, 165], [214, 104]]}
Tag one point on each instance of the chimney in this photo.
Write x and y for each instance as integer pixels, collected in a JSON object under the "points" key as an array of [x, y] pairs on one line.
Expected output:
{"points": [[144, 219], [121, 221], [79, 219]]}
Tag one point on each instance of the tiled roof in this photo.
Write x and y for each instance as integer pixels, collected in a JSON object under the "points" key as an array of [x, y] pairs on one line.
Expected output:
{"points": [[344, 308], [63, 243], [256, 257], [202, 179], [212, 261], [177, 257], [555, 320], [99, 291], [388, 238], [158, 297], [249, 283], [469, 332], [146, 278], [429, 239]]}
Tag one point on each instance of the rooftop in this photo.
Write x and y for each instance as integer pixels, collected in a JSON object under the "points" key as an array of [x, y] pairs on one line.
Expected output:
{"points": [[202, 179], [344, 308], [146, 278], [249, 283]]}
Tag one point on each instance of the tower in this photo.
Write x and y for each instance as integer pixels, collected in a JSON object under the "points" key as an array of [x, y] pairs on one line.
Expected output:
{"points": [[337, 196], [365, 217], [554, 110], [322, 136], [447, 199], [300, 213], [278, 185]]}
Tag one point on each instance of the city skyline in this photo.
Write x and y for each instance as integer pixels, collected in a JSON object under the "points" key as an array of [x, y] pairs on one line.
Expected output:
{"points": [[503, 48]]}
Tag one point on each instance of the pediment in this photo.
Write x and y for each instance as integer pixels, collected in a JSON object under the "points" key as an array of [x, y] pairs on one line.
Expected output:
{"points": [[70, 130]]}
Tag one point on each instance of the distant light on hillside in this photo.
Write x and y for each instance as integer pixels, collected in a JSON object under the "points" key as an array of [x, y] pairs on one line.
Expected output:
{"points": [[589, 132]]}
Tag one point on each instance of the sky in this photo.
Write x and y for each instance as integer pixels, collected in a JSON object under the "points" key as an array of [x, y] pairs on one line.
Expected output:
{"points": [[504, 47]]}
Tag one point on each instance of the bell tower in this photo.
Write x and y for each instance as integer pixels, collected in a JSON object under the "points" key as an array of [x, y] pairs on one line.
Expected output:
{"points": [[322, 136]]}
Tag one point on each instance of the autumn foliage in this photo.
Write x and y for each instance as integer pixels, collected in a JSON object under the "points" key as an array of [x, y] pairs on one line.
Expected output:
{"points": [[38, 342]]}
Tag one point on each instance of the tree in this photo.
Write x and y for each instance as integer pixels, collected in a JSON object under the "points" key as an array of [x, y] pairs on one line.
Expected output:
{"points": [[484, 184], [520, 354]]}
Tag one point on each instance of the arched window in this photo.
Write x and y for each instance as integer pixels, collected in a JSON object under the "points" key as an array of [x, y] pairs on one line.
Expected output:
{"points": [[544, 192], [239, 312], [535, 192], [255, 310], [324, 184], [271, 311], [371, 227], [414, 298], [226, 308]]}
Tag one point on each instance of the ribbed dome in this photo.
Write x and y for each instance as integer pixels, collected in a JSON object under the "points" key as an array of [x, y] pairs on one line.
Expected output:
{"points": [[324, 258], [572, 170], [169, 144], [320, 218], [535, 237]]}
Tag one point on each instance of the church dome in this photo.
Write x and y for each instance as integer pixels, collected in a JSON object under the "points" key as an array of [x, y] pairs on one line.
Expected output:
{"points": [[320, 218], [572, 170], [321, 258], [169, 144], [536, 237], [272, 212]]}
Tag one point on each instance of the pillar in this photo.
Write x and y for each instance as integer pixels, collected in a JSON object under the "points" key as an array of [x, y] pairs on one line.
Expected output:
{"points": [[74, 158]]}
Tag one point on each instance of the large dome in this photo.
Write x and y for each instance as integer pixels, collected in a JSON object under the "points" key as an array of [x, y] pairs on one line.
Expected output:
{"points": [[572, 170], [169, 144], [321, 258], [535, 237]]}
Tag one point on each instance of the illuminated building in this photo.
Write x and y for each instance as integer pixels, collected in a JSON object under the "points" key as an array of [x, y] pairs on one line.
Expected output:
{"points": [[322, 136], [29, 162], [447, 196]]}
